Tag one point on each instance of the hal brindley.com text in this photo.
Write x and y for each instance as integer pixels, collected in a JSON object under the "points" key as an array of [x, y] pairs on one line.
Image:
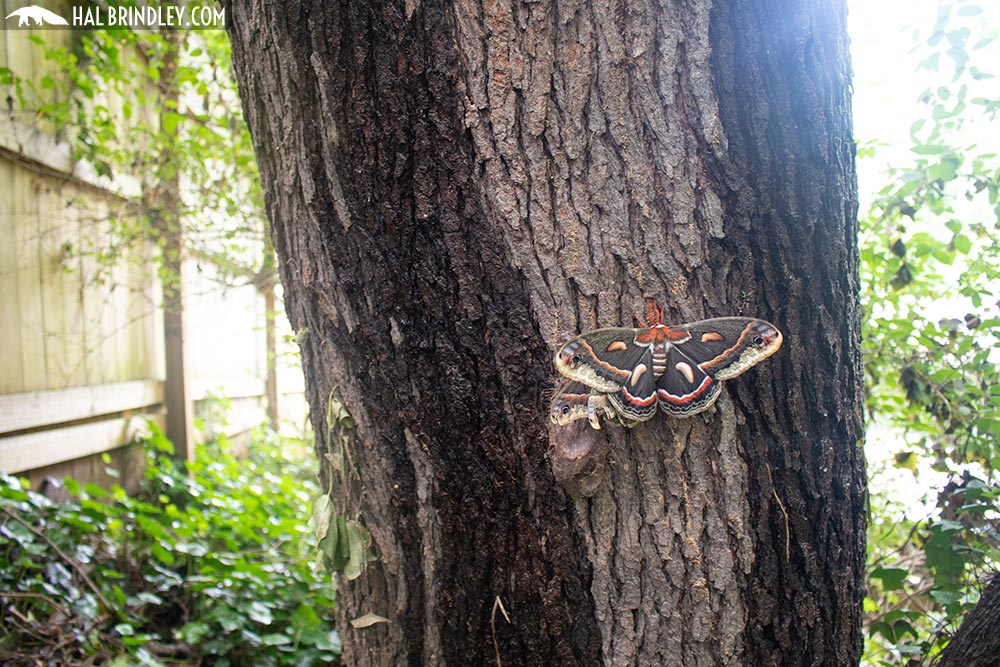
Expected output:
{"points": [[91, 16]]}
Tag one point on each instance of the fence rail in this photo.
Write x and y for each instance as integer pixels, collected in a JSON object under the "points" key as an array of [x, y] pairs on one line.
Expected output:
{"points": [[41, 428]]}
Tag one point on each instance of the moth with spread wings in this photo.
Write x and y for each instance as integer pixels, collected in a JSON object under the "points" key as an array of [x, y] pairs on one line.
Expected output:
{"points": [[626, 374]]}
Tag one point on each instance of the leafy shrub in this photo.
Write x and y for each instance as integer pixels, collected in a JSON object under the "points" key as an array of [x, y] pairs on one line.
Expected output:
{"points": [[211, 567], [930, 268]]}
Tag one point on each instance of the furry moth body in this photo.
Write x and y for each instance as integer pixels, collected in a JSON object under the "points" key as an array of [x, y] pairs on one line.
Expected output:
{"points": [[627, 374]]}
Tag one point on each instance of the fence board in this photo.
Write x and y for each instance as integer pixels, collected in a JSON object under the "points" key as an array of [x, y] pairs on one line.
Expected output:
{"points": [[10, 327], [34, 450], [61, 288], [29, 282], [43, 408]]}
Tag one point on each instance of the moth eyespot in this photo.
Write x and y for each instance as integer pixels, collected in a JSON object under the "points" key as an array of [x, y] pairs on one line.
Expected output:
{"points": [[565, 409], [577, 359], [758, 341]]}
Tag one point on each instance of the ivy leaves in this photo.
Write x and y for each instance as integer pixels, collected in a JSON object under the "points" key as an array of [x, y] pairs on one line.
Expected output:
{"points": [[208, 564]]}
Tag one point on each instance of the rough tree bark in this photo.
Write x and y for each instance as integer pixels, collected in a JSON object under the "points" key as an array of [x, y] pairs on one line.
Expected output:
{"points": [[458, 186], [977, 642]]}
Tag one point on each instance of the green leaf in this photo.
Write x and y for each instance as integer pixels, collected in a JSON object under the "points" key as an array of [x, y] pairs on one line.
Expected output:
{"points": [[931, 63], [360, 541], [170, 120], [260, 612], [929, 149], [904, 627], [322, 517], [945, 597], [343, 543], [962, 243], [944, 257], [328, 641], [305, 618], [195, 549], [334, 547], [906, 461], [892, 578], [193, 632], [145, 597], [882, 628], [945, 170], [125, 629], [94, 491], [162, 554]]}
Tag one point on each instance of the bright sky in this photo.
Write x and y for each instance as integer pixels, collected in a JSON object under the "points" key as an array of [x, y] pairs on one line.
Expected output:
{"points": [[885, 77], [887, 83]]}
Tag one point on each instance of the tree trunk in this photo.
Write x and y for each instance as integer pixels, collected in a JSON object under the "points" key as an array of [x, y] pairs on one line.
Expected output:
{"points": [[455, 189], [977, 642], [165, 206]]}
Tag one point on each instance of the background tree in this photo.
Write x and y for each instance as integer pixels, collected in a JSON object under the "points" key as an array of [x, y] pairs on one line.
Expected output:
{"points": [[156, 108], [976, 643], [456, 188]]}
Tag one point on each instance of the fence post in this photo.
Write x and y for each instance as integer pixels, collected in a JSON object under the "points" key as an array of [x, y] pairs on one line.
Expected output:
{"points": [[176, 391]]}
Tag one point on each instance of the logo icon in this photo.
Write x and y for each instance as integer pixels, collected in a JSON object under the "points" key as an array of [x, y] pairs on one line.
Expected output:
{"points": [[40, 15]]}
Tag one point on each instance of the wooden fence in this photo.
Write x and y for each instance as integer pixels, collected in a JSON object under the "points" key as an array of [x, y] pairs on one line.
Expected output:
{"points": [[82, 339]]}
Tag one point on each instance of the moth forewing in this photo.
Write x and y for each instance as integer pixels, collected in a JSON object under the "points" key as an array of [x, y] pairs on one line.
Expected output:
{"points": [[602, 359], [725, 347]]}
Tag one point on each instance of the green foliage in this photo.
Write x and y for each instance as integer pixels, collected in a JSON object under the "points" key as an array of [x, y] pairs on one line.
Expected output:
{"points": [[211, 567], [930, 266]]}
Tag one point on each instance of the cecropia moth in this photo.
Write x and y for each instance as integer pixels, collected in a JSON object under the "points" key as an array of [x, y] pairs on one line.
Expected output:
{"points": [[627, 374]]}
